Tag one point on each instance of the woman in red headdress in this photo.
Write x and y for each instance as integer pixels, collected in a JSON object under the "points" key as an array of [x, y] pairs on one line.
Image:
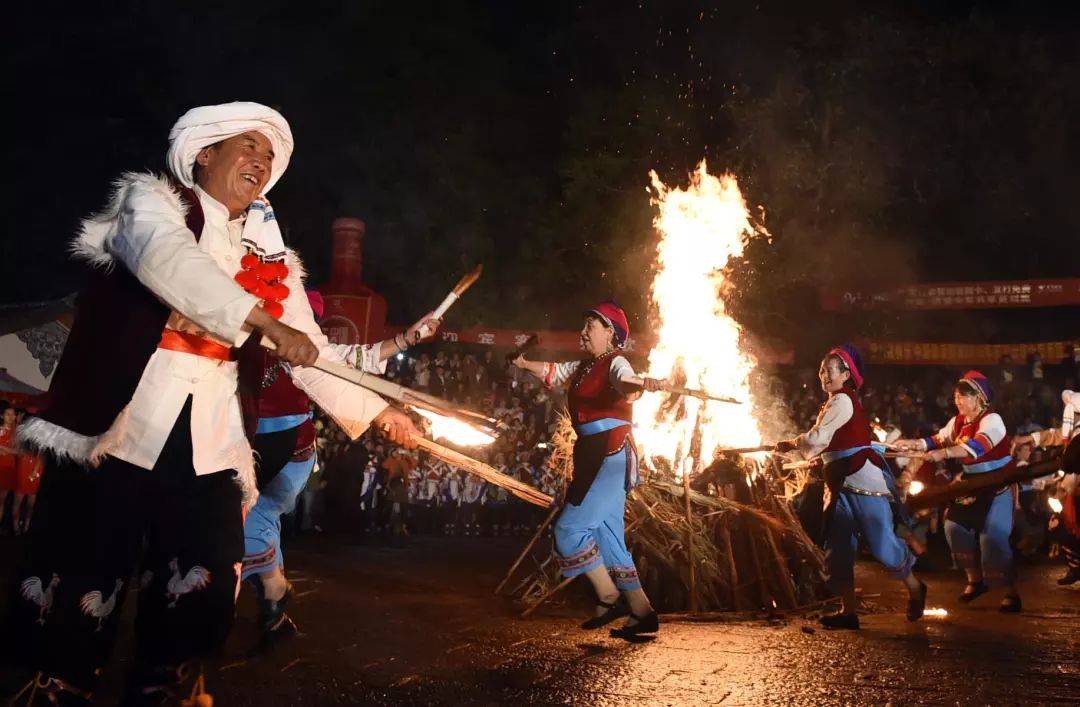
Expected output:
{"points": [[589, 533], [977, 527], [860, 486]]}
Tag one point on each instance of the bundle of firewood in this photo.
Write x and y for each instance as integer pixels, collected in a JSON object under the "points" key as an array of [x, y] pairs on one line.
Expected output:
{"points": [[736, 545]]}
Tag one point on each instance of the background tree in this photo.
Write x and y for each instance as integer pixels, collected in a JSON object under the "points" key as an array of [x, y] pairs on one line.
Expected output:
{"points": [[883, 145]]}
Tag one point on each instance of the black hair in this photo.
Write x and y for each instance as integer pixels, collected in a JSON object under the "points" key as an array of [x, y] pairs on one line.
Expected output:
{"points": [[966, 387]]}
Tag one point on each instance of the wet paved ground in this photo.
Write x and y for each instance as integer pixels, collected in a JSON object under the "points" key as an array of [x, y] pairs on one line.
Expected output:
{"points": [[419, 625]]}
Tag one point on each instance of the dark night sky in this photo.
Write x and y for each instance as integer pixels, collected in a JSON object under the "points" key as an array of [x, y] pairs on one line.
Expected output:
{"points": [[468, 132]]}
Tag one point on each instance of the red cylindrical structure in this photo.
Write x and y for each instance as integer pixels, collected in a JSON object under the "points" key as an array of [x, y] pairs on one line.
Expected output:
{"points": [[355, 314]]}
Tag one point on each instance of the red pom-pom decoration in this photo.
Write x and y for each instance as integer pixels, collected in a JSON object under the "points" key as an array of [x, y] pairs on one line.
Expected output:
{"points": [[247, 279], [262, 279], [281, 271], [266, 272], [276, 291], [260, 290], [274, 309]]}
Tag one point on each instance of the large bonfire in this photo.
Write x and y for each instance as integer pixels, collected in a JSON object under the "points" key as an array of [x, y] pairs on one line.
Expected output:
{"points": [[700, 227]]}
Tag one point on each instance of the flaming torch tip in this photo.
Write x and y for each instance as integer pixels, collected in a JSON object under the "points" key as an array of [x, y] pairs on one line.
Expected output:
{"points": [[455, 431]]}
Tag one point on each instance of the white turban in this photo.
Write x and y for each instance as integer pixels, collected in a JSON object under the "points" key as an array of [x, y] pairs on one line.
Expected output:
{"points": [[208, 125]]}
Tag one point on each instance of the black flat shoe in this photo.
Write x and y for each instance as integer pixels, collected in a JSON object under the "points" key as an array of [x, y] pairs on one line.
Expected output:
{"points": [[614, 610], [916, 607], [645, 624], [274, 623], [1070, 577], [973, 592], [1010, 604], [847, 622]]}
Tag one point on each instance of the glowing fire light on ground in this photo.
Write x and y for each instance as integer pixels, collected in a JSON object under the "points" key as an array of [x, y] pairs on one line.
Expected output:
{"points": [[701, 228], [455, 431], [935, 611]]}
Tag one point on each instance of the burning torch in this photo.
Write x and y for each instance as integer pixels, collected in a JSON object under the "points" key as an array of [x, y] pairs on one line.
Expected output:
{"points": [[455, 294], [666, 387], [448, 420]]}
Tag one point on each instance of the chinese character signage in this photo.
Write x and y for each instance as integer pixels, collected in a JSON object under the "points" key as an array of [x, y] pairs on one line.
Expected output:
{"points": [[958, 295], [915, 353]]}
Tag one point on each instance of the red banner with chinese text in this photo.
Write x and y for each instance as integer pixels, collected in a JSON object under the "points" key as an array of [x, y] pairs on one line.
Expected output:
{"points": [[989, 294], [924, 353]]}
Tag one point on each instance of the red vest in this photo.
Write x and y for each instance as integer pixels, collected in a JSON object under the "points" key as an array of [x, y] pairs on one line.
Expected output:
{"points": [[280, 397], [853, 433], [968, 431], [591, 396]]}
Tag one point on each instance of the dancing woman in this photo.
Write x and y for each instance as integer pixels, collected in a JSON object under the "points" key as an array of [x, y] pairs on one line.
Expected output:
{"points": [[860, 490], [589, 533], [977, 527]]}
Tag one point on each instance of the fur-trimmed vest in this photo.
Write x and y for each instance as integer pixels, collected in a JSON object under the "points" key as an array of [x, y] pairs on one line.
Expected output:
{"points": [[118, 325]]}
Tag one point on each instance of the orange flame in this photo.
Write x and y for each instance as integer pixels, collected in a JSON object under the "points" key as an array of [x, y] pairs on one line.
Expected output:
{"points": [[701, 228], [455, 431]]}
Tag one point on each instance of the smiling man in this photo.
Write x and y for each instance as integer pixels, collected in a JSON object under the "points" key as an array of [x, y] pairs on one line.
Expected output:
{"points": [[149, 412]]}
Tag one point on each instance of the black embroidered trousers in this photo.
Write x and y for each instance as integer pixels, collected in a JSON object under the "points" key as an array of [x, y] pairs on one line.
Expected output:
{"points": [[172, 537]]}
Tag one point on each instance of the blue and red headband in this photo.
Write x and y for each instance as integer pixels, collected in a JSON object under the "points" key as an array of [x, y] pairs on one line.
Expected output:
{"points": [[978, 384], [612, 315], [852, 360]]}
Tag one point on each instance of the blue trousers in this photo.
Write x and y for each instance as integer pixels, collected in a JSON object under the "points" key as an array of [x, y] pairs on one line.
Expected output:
{"points": [[593, 533], [870, 517], [988, 550], [262, 529]]}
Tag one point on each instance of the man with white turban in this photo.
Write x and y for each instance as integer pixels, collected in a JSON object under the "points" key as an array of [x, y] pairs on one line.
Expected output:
{"points": [[149, 413]]}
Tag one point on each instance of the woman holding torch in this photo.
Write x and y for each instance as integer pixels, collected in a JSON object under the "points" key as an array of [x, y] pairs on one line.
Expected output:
{"points": [[589, 533], [977, 527], [860, 488]]}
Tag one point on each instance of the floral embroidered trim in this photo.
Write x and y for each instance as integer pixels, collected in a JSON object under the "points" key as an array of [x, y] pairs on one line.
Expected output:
{"points": [[580, 559]]}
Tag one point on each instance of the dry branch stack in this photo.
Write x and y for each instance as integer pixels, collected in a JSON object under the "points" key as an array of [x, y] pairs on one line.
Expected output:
{"points": [[722, 547]]}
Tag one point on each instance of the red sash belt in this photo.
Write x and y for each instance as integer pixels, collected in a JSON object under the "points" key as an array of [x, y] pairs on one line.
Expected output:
{"points": [[194, 344]]}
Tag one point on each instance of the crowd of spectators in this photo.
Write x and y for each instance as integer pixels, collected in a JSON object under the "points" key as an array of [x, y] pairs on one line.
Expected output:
{"points": [[368, 487]]}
